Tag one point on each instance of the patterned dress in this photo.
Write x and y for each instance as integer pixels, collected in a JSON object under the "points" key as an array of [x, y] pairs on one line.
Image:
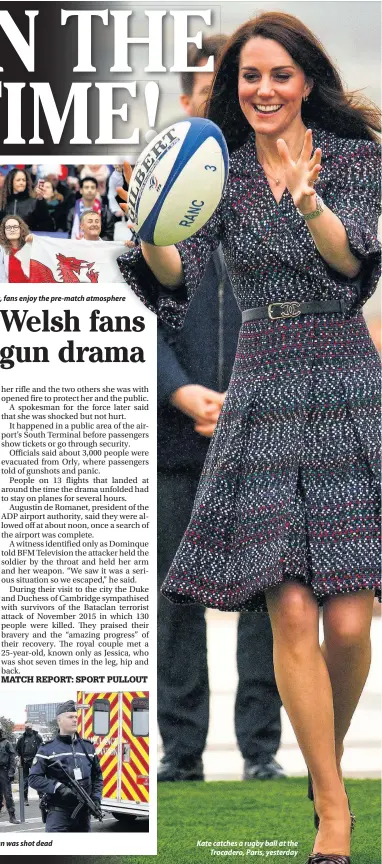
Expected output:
{"points": [[290, 485]]}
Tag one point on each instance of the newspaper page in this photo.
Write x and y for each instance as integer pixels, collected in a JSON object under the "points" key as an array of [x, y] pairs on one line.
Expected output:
{"points": [[107, 417]]}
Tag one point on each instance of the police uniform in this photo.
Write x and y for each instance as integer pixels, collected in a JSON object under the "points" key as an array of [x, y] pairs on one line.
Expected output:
{"points": [[7, 771], [79, 759], [26, 748]]}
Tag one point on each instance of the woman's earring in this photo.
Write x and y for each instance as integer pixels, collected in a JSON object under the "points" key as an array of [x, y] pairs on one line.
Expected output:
{"points": [[305, 98]]}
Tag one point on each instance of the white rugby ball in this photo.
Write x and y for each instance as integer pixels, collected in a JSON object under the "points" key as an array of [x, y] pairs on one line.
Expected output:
{"points": [[178, 181]]}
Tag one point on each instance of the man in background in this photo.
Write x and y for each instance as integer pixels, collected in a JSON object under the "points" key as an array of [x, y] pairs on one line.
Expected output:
{"points": [[91, 225], [7, 774], [26, 748], [90, 200], [194, 368]]}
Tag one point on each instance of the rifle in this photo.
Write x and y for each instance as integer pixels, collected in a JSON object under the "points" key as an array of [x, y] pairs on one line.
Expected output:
{"points": [[84, 799]]}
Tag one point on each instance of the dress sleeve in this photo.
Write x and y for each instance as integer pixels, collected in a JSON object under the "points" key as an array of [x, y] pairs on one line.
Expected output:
{"points": [[170, 372], [171, 304], [357, 203]]}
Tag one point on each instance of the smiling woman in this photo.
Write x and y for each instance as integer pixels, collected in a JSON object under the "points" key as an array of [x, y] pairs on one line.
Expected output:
{"points": [[274, 86], [13, 234], [270, 95], [287, 512]]}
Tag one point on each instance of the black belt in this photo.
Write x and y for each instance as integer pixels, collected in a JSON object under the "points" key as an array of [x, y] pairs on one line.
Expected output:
{"points": [[59, 809], [291, 308]]}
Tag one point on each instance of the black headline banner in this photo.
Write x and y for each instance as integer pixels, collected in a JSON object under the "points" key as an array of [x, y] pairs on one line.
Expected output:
{"points": [[87, 78]]}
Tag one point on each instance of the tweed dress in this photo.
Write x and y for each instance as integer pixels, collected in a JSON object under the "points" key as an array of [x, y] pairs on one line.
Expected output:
{"points": [[290, 485]]}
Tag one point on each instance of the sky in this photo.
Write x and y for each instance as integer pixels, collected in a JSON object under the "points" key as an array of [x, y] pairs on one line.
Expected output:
{"points": [[13, 702]]}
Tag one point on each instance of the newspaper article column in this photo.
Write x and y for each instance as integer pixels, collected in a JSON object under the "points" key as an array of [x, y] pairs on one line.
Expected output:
{"points": [[78, 527]]}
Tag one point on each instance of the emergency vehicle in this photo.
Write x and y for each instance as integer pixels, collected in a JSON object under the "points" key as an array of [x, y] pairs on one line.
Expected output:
{"points": [[118, 726]]}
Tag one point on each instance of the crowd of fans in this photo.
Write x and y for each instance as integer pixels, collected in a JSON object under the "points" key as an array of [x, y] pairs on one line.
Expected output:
{"points": [[47, 197], [53, 199]]}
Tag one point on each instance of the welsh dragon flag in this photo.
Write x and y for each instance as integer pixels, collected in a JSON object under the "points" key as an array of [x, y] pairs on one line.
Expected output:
{"points": [[46, 259]]}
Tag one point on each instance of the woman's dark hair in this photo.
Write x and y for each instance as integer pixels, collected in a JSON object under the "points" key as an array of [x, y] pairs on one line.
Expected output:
{"points": [[7, 189], [24, 231], [349, 115]]}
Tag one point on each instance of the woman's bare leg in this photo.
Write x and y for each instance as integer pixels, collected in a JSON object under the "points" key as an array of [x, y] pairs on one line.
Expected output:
{"points": [[347, 653], [305, 689]]}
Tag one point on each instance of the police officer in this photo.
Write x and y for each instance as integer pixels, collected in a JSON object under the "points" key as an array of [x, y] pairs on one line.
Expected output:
{"points": [[27, 747], [80, 760], [7, 773]]}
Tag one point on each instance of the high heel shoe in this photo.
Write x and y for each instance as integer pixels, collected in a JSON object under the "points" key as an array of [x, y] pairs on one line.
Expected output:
{"points": [[322, 858], [316, 817]]}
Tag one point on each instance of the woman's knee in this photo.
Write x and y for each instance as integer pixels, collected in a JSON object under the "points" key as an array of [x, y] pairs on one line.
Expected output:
{"points": [[293, 611], [347, 635], [347, 624]]}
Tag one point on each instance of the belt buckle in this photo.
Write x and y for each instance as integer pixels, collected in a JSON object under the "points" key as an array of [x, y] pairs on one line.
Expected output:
{"points": [[290, 309]]}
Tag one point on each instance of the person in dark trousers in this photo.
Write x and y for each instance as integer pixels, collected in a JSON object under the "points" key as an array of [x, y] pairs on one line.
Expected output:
{"points": [[7, 773], [90, 200], [194, 368], [26, 747], [79, 759]]}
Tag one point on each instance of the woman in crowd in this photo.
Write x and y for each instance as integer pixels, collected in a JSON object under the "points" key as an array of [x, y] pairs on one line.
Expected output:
{"points": [[57, 207], [19, 199], [13, 234], [286, 516]]}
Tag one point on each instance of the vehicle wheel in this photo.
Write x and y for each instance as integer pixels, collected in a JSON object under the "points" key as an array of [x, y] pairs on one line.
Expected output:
{"points": [[124, 817], [131, 822]]}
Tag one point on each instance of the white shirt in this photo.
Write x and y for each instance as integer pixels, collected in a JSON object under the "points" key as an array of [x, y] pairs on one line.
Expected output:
{"points": [[4, 265]]}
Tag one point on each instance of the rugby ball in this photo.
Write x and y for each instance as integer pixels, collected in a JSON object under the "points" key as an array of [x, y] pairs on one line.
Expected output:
{"points": [[178, 181]]}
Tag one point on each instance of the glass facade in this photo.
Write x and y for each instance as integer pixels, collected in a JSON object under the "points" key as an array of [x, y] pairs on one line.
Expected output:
{"points": [[41, 713]]}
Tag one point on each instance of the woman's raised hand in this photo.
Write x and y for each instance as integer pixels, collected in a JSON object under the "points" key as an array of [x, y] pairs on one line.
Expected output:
{"points": [[302, 174]]}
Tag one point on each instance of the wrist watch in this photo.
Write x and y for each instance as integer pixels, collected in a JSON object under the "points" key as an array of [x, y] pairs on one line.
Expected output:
{"points": [[319, 209]]}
